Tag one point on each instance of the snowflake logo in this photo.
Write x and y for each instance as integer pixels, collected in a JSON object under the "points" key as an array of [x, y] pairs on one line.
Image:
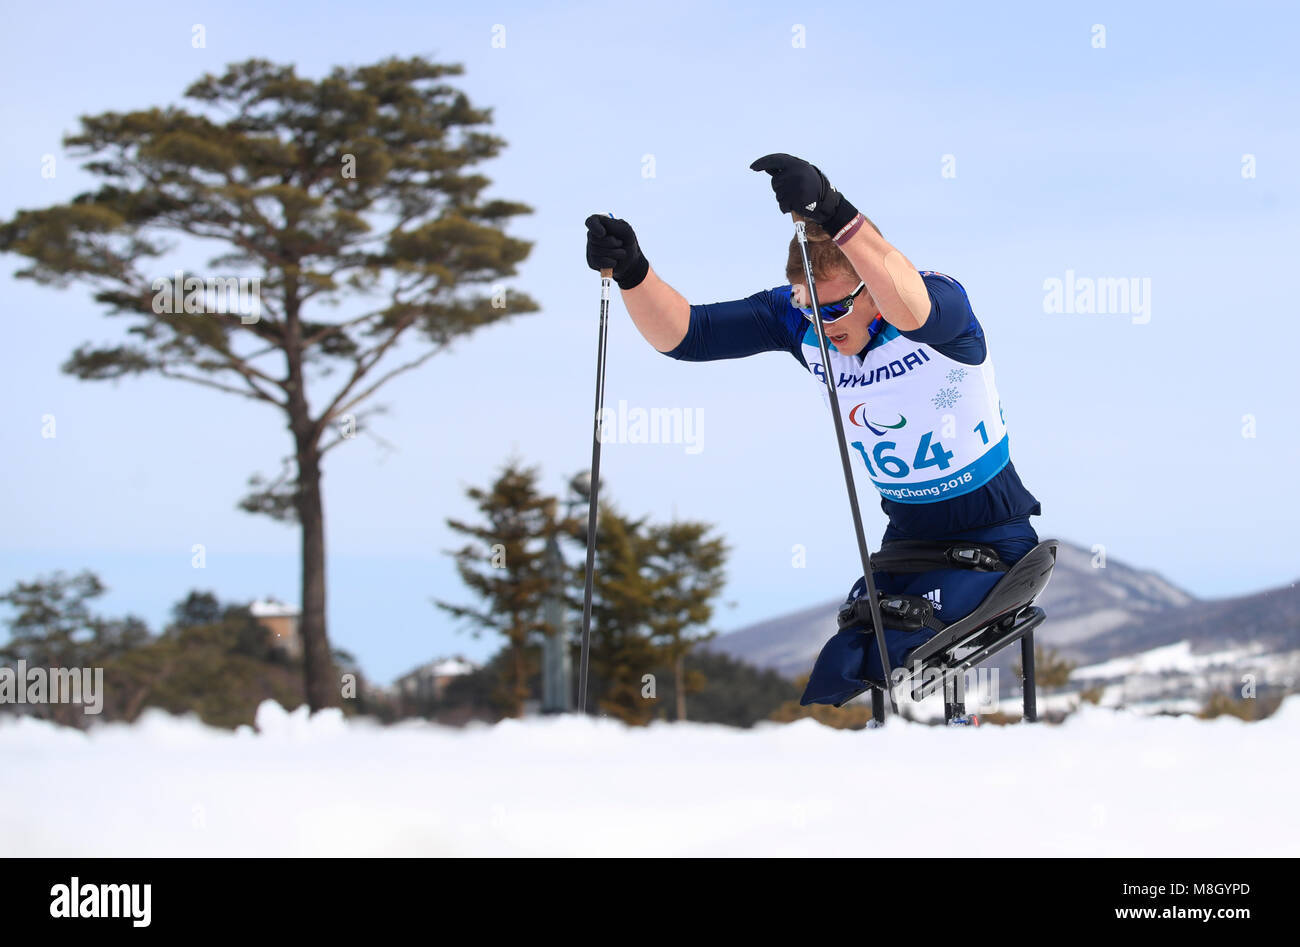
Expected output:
{"points": [[946, 398], [956, 375]]}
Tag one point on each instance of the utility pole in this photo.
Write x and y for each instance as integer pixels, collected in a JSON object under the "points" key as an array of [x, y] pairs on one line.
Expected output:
{"points": [[557, 688]]}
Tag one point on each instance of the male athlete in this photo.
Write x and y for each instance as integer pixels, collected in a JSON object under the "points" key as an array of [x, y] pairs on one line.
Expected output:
{"points": [[915, 388]]}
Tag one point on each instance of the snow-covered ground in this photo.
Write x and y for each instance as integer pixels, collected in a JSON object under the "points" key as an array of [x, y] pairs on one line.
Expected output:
{"points": [[1102, 783]]}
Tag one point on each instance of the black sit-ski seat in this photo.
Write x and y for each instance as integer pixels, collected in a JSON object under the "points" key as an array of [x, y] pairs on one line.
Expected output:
{"points": [[1006, 615]]}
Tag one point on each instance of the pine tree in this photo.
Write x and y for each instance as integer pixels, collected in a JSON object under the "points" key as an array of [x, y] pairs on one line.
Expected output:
{"points": [[53, 624], [505, 566], [352, 189], [214, 660], [623, 654], [734, 692], [685, 567]]}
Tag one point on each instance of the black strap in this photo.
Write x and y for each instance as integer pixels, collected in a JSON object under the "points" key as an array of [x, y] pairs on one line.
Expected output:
{"points": [[904, 612], [922, 555]]}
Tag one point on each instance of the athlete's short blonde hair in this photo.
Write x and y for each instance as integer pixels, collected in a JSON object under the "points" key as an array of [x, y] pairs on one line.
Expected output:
{"points": [[828, 260]]}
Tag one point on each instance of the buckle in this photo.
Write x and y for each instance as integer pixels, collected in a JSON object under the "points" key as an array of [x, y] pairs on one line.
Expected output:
{"points": [[905, 612], [971, 556], [908, 610], [848, 614]]}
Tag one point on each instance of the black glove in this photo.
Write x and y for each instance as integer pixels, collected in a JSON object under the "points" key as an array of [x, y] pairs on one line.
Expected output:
{"points": [[611, 244], [802, 189]]}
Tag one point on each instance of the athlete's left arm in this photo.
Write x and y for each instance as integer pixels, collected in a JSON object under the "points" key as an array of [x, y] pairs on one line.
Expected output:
{"points": [[891, 279]]}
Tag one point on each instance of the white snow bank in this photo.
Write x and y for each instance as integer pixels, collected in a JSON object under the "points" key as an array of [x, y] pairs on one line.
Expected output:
{"points": [[1103, 783]]}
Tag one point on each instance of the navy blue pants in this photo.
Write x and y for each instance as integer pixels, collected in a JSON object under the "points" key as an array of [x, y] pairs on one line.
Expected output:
{"points": [[852, 657]]}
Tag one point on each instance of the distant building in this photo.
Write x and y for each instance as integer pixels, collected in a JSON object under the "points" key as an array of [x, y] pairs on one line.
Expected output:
{"points": [[429, 681], [281, 621]]}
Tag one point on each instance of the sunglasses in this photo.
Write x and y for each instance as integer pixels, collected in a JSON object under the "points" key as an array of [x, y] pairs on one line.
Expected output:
{"points": [[833, 312]]}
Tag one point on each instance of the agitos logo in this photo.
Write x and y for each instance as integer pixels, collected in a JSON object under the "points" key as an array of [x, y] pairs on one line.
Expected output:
{"points": [[859, 417]]}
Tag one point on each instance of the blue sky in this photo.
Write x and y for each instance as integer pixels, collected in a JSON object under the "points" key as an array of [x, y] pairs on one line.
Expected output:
{"points": [[1122, 161]]}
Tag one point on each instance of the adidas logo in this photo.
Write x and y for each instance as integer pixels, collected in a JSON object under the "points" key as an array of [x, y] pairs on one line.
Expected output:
{"points": [[933, 597], [812, 206]]}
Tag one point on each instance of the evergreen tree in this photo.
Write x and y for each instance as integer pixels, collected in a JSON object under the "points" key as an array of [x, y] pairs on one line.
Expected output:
{"points": [[623, 653], [732, 692], [474, 696], [197, 608], [505, 567], [651, 597], [352, 189], [53, 625], [685, 567], [214, 660], [219, 670]]}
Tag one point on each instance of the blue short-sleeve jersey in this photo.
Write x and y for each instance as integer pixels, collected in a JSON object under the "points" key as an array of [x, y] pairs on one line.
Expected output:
{"points": [[767, 321]]}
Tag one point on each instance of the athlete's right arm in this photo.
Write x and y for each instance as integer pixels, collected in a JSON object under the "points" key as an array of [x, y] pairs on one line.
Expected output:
{"points": [[659, 311], [763, 322], [661, 314]]}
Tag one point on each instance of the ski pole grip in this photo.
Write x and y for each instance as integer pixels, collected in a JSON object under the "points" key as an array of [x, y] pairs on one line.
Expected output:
{"points": [[608, 273]]}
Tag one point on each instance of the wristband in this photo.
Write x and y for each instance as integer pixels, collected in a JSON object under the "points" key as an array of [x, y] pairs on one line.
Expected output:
{"points": [[845, 233]]}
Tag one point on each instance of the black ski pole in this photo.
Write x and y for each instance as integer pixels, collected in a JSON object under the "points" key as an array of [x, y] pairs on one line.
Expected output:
{"points": [[606, 281], [799, 228]]}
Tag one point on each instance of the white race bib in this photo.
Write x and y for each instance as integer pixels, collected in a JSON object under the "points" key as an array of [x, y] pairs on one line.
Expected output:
{"points": [[923, 426]]}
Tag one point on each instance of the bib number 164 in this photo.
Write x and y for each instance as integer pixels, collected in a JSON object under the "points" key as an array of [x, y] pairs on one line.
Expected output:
{"points": [[929, 453]]}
